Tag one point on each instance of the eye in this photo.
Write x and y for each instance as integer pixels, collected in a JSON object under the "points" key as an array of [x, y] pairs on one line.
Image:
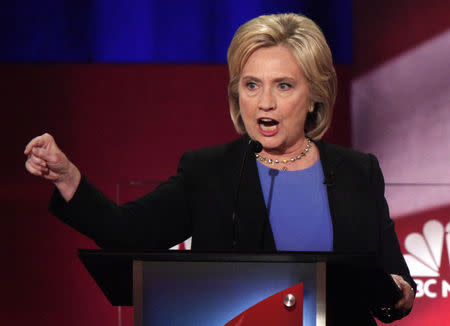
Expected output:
{"points": [[251, 85], [285, 86]]}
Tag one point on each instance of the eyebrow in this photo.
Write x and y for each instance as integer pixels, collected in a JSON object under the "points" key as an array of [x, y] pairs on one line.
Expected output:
{"points": [[277, 80]]}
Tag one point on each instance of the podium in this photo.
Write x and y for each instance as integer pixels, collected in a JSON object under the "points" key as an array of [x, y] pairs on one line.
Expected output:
{"points": [[192, 288]]}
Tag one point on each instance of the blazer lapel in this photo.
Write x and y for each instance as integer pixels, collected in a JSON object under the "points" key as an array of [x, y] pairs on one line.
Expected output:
{"points": [[254, 231], [254, 218], [331, 158]]}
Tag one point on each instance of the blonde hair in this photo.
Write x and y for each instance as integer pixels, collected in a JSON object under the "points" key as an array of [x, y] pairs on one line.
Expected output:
{"points": [[308, 45]]}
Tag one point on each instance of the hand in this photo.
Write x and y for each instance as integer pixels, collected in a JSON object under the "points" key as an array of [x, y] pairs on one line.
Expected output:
{"points": [[405, 304], [45, 159], [401, 308]]}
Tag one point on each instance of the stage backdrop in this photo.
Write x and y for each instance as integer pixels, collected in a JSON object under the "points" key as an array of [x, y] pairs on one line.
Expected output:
{"points": [[400, 99]]}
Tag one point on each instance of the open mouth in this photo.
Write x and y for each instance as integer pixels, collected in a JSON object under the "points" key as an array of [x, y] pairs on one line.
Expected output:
{"points": [[267, 124]]}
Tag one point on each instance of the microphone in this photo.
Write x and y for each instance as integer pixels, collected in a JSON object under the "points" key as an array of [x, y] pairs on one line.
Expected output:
{"points": [[329, 179], [256, 147]]}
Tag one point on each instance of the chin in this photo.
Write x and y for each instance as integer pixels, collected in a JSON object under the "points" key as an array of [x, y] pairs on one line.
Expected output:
{"points": [[269, 145]]}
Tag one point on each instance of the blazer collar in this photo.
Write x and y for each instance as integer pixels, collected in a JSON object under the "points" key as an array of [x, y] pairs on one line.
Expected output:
{"points": [[329, 156]]}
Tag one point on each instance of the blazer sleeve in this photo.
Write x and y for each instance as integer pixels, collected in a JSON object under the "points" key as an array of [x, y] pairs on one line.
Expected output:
{"points": [[157, 220], [389, 248]]}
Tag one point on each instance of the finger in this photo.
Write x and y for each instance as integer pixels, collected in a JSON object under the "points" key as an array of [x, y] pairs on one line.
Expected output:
{"points": [[405, 303], [37, 161], [38, 167], [38, 141], [50, 175], [41, 153], [397, 279], [401, 304], [32, 169]]}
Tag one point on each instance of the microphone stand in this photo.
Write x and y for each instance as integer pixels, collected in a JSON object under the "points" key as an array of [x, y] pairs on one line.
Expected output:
{"points": [[256, 147]]}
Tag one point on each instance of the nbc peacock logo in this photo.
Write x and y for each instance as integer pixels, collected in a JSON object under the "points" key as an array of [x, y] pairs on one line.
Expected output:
{"points": [[427, 259]]}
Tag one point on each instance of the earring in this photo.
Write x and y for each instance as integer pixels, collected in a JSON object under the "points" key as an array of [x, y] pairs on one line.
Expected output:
{"points": [[311, 108]]}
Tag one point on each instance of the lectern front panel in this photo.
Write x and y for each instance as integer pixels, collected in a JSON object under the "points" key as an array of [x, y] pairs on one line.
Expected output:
{"points": [[213, 293]]}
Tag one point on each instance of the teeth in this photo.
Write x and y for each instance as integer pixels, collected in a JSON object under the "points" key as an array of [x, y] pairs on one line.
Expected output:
{"points": [[267, 124], [268, 128]]}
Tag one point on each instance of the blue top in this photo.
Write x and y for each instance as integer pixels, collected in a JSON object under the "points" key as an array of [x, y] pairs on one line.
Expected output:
{"points": [[297, 204]]}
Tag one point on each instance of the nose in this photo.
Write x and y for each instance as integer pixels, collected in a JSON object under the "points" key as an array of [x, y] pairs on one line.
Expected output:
{"points": [[267, 100]]}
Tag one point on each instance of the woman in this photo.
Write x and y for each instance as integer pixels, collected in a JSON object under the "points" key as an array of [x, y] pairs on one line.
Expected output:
{"points": [[298, 193]]}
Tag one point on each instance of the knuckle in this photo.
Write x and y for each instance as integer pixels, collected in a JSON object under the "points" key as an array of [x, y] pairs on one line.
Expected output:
{"points": [[48, 137], [31, 170]]}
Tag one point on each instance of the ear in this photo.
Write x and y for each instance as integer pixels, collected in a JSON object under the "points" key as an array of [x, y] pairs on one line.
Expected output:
{"points": [[317, 106]]}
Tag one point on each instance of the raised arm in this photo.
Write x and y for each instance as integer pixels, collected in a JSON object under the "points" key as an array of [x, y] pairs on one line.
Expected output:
{"points": [[158, 220]]}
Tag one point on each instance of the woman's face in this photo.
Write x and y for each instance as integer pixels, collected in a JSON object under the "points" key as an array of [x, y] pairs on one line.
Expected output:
{"points": [[274, 100]]}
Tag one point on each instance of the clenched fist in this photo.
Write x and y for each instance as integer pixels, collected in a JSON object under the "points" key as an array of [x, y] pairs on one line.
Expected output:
{"points": [[45, 159]]}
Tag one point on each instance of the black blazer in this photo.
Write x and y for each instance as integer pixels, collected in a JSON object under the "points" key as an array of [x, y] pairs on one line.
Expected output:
{"points": [[199, 201]]}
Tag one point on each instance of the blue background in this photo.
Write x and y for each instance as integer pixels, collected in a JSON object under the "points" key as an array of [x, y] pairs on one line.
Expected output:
{"points": [[195, 31]]}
